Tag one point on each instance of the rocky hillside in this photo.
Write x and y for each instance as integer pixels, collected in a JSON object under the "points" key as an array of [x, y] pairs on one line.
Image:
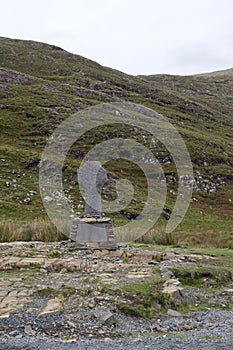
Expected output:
{"points": [[41, 84]]}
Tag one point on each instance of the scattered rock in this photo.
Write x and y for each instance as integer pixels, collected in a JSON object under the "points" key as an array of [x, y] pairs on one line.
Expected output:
{"points": [[106, 317], [52, 306], [107, 340], [173, 313], [87, 294], [174, 289], [47, 199], [166, 273], [29, 331], [71, 324]]}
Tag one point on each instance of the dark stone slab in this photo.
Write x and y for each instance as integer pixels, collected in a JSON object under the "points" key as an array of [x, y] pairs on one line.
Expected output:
{"points": [[91, 178]]}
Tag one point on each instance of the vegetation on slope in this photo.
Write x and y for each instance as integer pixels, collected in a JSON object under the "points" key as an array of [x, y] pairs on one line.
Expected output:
{"points": [[40, 85]]}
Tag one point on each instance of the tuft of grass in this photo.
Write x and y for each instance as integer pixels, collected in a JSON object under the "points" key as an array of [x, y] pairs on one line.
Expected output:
{"points": [[191, 238], [157, 235], [143, 299], [64, 291], [209, 276], [35, 230], [204, 239]]}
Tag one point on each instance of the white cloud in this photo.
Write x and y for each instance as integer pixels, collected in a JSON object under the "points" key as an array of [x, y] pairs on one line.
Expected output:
{"points": [[138, 37]]}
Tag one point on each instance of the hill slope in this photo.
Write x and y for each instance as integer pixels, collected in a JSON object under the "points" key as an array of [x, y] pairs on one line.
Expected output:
{"points": [[41, 84]]}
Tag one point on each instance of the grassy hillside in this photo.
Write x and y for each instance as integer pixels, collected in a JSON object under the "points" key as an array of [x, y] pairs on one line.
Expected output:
{"points": [[41, 85]]}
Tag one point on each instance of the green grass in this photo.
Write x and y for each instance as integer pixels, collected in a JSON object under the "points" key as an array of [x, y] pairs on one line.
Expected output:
{"points": [[209, 276], [219, 253], [64, 290], [143, 299]]}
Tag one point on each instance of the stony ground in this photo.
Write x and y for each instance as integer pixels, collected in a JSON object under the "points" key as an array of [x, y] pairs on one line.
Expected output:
{"points": [[54, 297]]}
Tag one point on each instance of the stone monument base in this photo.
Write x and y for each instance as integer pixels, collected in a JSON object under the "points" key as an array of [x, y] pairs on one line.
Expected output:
{"points": [[92, 233]]}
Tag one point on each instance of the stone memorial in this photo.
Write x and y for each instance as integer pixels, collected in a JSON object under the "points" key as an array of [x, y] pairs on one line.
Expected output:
{"points": [[92, 230]]}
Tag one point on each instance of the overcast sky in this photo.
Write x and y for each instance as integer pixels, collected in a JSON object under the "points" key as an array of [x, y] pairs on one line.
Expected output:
{"points": [[134, 36]]}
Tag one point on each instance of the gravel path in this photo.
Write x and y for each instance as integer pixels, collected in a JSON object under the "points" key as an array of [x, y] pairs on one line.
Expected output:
{"points": [[201, 330]]}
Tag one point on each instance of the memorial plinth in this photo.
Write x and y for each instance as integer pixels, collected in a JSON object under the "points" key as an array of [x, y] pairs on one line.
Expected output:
{"points": [[93, 230]]}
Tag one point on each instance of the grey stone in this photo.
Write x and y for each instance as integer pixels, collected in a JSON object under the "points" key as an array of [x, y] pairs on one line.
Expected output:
{"points": [[166, 273], [91, 178], [173, 313], [29, 331], [48, 267], [106, 317], [107, 340], [48, 199], [91, 233]]}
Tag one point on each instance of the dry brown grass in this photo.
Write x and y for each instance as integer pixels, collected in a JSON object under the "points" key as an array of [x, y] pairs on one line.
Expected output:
{"points": [[203, 239], [35, 230], [157, 235], [44, 230]]}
